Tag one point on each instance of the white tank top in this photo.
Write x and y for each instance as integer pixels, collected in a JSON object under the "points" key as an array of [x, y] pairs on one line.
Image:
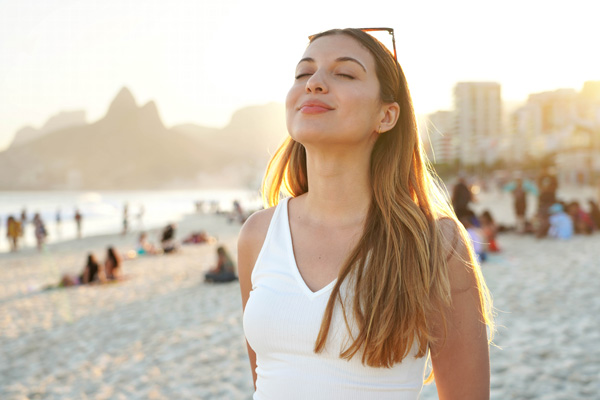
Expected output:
{"points": [[281, 322]]}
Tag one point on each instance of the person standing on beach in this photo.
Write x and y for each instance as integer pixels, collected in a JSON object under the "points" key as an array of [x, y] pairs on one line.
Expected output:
{"points": [[520, 205], [58, 222], [23, 225], [363, 271], [13, 232], [39, 230], [78, 220], [140, 217], [125, 218], [547, 186]]}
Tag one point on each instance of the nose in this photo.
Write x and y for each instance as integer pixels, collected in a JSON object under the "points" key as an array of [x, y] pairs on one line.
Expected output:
{"points": [[316, 84]]}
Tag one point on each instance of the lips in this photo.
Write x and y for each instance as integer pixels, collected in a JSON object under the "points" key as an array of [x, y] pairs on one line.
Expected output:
{"points": [[314, 107]]}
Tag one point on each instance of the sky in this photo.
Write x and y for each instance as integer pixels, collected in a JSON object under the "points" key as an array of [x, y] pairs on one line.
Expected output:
{"points": [[202, 60]]}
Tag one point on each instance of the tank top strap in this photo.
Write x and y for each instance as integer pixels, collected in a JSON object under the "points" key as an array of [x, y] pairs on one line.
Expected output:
{"points": [[275, 230]]}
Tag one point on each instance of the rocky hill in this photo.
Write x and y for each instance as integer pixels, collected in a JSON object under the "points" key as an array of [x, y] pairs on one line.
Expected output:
{"points": [[62, 120], [130, 148]]}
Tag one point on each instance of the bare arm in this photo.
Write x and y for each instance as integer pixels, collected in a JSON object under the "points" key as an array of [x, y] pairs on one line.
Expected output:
{"points": [[86, 275], [102, 273], [461, 363], [250, 242]]}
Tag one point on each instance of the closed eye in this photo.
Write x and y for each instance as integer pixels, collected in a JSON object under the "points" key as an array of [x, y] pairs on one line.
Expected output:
{"points": [[346, 76], [302, 75]]}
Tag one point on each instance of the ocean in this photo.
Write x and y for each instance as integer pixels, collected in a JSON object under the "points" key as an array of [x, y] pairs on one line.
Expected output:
{"points": [[102, 211]]}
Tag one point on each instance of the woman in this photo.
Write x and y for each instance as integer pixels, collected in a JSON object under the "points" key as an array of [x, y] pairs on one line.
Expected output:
{"points": [[144, 246], [224, 271], [91, 273], [348, 284], [112, 264], [490, 231], [13, 232], [40, 231], [520, 205]]}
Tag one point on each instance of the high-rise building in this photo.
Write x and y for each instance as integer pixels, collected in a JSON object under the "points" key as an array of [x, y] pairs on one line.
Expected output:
{"points": [[442, 140], [525, 141], [478, 127], [541, 124], [563, 124]]}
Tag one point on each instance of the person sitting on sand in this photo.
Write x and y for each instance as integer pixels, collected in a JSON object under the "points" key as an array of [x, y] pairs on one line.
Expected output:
{"points": [[582, 222], [594, 213], [476, 236], [167, 240], [112, 264], [561, 225], [224, 271], [91, 273], [489, 230], [198, 237], [144, 246]]}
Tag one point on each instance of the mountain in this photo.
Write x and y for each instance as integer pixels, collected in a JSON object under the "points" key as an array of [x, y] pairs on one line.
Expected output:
{"points": [[253, 133], [130, 148], [59, 121]]}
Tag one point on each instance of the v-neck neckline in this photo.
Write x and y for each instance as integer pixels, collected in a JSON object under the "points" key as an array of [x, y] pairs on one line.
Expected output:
{"points": [[294, 265]]}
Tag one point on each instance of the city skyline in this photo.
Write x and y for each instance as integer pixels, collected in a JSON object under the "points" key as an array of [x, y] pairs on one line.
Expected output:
{"points": [[201, 62], [559, 128]]}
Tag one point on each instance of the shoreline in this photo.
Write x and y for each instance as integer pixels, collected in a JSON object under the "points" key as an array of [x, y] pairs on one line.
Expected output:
{"points": [[187, 224], [103, 211]]}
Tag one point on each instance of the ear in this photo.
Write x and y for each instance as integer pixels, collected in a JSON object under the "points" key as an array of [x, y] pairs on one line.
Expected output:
{"points": [[390, 114]]}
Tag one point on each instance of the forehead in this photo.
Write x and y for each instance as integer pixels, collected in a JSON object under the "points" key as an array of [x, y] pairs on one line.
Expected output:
{"points": [[332, 47]]}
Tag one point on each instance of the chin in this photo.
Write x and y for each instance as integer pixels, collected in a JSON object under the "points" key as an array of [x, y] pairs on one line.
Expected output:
{"points": [[310, 135]]}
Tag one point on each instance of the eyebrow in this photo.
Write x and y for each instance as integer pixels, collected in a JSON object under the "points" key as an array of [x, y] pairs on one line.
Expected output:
{"points": [[339, 59]]}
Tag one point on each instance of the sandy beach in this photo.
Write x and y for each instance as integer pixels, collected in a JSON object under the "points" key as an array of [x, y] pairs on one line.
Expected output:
{"points": [[165, 334]]}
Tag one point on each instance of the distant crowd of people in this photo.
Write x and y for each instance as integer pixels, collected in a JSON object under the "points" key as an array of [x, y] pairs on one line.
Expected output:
{"points": [[562, 219], [482, 230], [553, 218], [95, 272], [110, 270], [16, 228]]}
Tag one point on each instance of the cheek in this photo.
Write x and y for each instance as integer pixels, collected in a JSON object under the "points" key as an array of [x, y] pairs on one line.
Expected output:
{"points": [[291, 102], [364, 105], [292, 96]]}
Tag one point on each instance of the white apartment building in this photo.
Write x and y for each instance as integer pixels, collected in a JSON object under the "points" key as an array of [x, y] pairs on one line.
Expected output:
{"points": [[442, 138], [564, 123], [541, 124], [478, 126], [524, 136]]}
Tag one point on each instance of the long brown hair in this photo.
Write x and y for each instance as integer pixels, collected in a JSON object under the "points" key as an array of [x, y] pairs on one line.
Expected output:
{"points": [[397, 271]]}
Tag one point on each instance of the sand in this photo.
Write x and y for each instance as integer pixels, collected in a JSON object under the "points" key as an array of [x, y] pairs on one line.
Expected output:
{"points": [[164, 334]]}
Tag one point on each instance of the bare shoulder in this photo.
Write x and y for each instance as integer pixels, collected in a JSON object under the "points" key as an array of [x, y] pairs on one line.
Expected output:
{"points": [[256, 226], [252, 237], [450, 231], [460, 262]]}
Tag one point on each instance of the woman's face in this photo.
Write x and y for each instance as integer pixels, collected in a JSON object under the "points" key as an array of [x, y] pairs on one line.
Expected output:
{"points": [[335, 96]]}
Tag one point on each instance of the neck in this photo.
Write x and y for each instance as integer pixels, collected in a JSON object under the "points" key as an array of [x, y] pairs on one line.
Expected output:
{"points": [[339, 186]]}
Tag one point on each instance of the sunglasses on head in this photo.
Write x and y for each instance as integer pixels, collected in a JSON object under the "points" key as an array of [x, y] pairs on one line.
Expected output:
{"points": [[371, 32], [390, 31]]}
